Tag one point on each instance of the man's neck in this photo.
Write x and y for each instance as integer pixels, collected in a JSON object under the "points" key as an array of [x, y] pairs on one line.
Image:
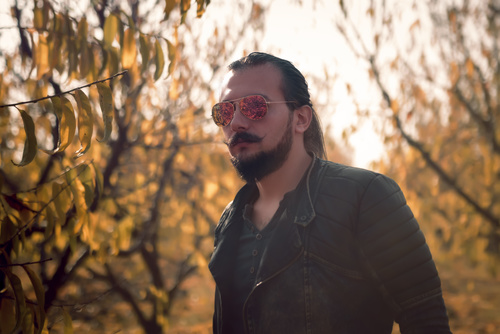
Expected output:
{"points": [[274, 186]]}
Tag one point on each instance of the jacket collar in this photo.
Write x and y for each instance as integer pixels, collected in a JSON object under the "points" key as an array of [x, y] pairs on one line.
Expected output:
{"points": [[286, 243], [305, 210]]}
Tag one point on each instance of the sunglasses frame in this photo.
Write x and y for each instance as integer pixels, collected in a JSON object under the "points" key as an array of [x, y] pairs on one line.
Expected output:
{"points": [[232, 103]]}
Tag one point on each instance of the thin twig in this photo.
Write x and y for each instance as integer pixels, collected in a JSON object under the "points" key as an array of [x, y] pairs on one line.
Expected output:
{"points": [[63, 93], [25, 263]]}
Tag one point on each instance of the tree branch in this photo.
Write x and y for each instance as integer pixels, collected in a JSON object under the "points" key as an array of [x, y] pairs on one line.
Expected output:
{"points": [[63, 93], [25, 263], [495, 221], [486, 124]]}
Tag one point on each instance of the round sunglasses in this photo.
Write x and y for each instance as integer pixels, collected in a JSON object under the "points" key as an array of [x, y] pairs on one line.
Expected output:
{"points": [[254, 107]]}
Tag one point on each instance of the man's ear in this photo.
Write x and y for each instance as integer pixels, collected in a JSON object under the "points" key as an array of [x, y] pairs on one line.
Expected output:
{"points": [[303, 117]]}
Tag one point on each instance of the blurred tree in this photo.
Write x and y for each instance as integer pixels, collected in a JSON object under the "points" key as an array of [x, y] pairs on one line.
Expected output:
{"points": [[436, 66], [92, 231]]}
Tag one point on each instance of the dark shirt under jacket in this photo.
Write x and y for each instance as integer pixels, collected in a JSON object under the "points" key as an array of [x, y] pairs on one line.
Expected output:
{"points": [[252, 245]]}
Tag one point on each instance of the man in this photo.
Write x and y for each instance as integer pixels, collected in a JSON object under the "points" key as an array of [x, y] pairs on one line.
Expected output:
{"points": [[308, 245]]}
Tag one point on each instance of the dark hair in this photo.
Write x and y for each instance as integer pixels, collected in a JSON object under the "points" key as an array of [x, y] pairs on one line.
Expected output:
{"points": [[295, 88]]}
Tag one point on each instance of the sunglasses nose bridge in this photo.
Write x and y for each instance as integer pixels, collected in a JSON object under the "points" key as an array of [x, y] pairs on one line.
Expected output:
{"points": [[239, 120]]}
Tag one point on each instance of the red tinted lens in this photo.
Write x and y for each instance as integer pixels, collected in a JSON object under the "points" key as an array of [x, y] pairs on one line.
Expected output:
{"points": [[222, 113], [253, 107]]}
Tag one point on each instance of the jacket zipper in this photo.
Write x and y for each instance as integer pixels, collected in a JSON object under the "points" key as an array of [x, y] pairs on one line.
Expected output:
{"points": [[262, 282]]}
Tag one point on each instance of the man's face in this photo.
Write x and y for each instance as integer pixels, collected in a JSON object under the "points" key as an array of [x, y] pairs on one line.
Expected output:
{"points": [[257, 147]]}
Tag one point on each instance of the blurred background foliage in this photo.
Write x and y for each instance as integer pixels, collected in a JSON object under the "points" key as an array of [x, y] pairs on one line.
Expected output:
{"points": [[112, 176]]}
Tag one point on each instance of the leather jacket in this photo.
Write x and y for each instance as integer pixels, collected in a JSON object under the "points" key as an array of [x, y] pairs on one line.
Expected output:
{"points": [[350, 259]]}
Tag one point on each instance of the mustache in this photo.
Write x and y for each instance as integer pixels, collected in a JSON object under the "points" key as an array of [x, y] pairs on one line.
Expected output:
{"points": [[241, 137]]}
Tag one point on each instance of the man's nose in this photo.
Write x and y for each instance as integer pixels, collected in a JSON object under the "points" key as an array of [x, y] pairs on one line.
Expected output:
{"points": [[239, 122]]}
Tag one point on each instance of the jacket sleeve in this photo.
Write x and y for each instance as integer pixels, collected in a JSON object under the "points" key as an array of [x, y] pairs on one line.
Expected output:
{"points": [[396, 256]]}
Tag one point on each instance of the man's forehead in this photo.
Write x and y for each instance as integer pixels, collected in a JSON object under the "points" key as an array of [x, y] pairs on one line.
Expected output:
{"points": [[256, 76]]}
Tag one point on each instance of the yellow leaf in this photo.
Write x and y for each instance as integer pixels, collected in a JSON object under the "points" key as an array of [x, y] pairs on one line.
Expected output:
{"points": [[200, 9], [51, 219], [454, 73], [99, 182], [42, 56], [415, 24], [40, 297], [38, 18], [61, 202], [30, 144], [67, 124], [72, 57], [9, 229], [171, 57], [159, 60], [78, 191], [469, 65], [85, 53], [86, 177], [169, 6], [173, 92], [106, 103], [185, 5], [395, 106], [85, 121], [129, 49], [110, 29], [211, 189], [113, 60], [68, 323], [17, 287], [84, 60], [55, 52]]}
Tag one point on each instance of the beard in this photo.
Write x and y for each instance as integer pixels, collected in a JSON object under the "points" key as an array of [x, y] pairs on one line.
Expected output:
{"points": [[261, 164]]}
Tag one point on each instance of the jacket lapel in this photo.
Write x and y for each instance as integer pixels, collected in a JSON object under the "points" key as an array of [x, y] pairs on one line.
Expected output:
{"points": [[282, 250], [287, 242], [227, 236]]}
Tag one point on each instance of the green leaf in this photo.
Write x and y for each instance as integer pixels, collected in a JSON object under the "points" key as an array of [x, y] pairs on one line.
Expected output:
{"points": [[85, 122], [30, 144], [144, 49], [40, 296], [110, 29], [159, 60], [106, 103]]}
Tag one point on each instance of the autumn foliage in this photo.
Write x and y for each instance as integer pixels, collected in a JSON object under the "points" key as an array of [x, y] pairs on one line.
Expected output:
{"points": [[110, 186], [111, 182]]}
